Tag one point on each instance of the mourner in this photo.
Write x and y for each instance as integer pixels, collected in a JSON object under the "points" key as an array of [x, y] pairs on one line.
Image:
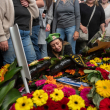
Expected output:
{"points": [[57, 46]]}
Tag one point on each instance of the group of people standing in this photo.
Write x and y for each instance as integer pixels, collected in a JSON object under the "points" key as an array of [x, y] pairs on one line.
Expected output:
{"points": [[65, 17]]}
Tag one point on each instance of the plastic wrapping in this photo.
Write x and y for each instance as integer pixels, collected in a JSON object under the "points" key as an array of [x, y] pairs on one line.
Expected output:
{"points": [[62, 65], [39, 67]]}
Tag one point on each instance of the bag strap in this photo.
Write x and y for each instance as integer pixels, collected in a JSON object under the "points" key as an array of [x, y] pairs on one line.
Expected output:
{"points": [[91, 15]]}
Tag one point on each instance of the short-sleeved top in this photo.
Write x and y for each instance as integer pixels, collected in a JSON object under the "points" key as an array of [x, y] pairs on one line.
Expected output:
{"points": [[22, 15], [97, 19]]}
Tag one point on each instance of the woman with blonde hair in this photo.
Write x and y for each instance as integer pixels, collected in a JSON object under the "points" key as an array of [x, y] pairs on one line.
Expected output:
{"points": [[97, 21]]}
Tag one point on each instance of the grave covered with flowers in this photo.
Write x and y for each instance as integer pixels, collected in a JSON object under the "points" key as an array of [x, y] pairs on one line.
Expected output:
{"points": [[89, 91]]}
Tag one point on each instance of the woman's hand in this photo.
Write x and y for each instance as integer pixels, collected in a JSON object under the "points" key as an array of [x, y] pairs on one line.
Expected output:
{"points": [[106, 22], [76, 35], [84, 29], [48, 27], [24, 3], [43, 15], [4, 45]]}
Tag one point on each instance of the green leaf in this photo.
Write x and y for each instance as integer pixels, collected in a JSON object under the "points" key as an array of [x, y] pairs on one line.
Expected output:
{"points": [[10, 74], [10, 98], [44, 77], [89, 95], [52, 62], [89, 76], [94, 79], [99, 99], [77, 92], [4, 90], [89, 71], [96, 100], [13, 65]]}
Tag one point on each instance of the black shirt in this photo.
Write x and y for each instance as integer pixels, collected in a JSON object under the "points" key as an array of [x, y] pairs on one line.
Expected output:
{"points": [[22, 15], [97, 19], [36, 22]]}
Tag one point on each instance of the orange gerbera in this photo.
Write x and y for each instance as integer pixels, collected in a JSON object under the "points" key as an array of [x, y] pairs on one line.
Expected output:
{"points": [[60, 86], [3, 71], [68, 86], [58, 75], [50, 80], [81, 72], [70, 71], [82, 87]]}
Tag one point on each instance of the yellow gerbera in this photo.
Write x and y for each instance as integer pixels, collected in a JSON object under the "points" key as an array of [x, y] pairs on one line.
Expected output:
{"points": [[106, 59], [40, 97], [97, 60], [76, 102], [57, 95], [23, 103], [105, 67], [93, 62], [103, 88], [91, 108]]}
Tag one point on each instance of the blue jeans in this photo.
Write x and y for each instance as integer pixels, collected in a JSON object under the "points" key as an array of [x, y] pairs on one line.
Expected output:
{"points": [[68, 33], [34, 38], [43, 47], [9, 55]]}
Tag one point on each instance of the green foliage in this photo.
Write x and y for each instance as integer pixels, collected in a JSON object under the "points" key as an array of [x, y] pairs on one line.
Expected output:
{"points": [[10, 98], [10, 74], [4, 90]]}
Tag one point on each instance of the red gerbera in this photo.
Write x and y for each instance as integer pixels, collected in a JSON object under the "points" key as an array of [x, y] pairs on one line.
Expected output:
{"points": [[41, 59], [63, 104], [29, 95], [83, 109], [103, 72], [50, 105], [104, 104]]}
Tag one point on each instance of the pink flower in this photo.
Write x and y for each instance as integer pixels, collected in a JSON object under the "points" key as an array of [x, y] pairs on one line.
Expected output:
{"points": [[21, 89], [12, 107], [83, 94], [49, 88], [40, 82], [68, 91]]}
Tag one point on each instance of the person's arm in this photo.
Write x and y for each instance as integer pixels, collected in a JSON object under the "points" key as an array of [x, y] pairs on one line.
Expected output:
{"points": [[3, 39], [102, 26], [33, 8], [102, 19], [54, 24], [77, 19], [49, 17], [40, 3], [107, 22]]}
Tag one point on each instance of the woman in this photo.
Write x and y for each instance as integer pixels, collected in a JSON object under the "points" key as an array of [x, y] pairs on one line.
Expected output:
{"points": [[46, 20], [97, 21], [106, 7], [58, 46], [67, 20], [23, 17]]}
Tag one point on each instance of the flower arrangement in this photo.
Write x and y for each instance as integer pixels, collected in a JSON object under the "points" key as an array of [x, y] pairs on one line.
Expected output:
{"points": [[3, 71]]}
